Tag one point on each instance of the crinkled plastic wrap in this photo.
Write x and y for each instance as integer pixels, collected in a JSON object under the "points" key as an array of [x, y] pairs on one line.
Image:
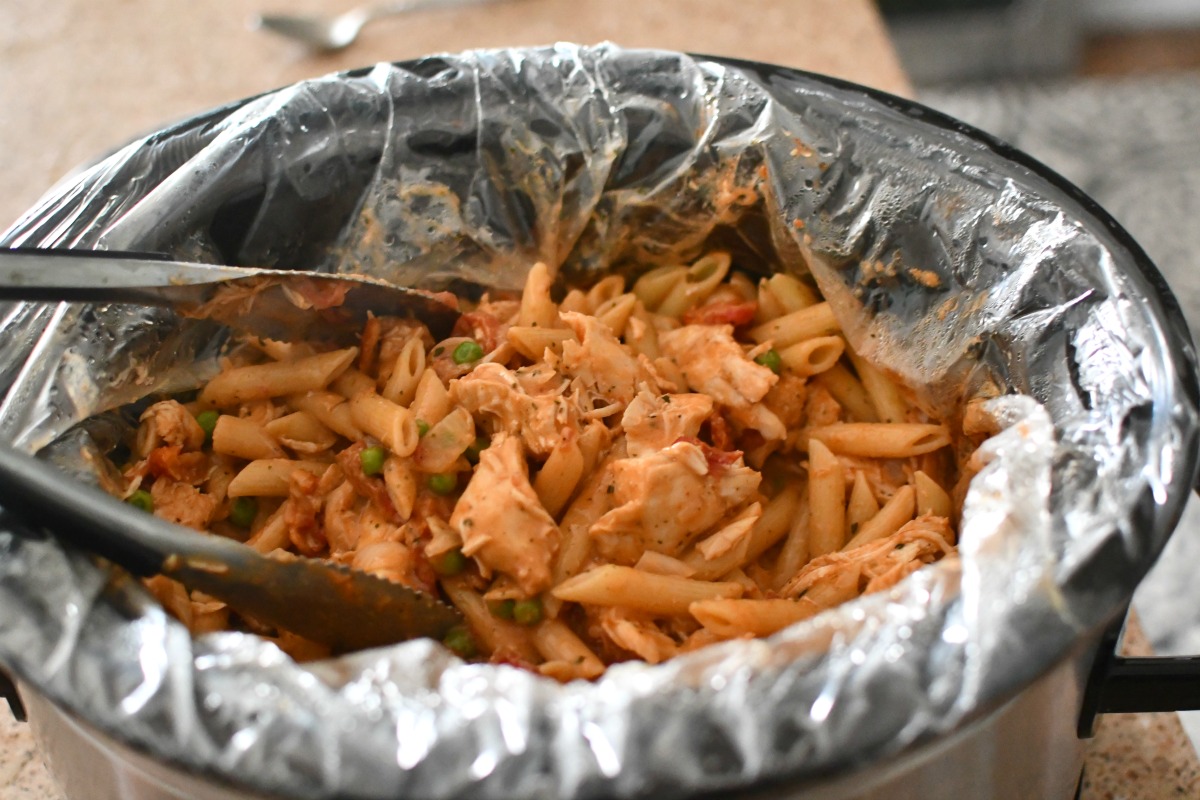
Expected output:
{"points": [[952, 262]]}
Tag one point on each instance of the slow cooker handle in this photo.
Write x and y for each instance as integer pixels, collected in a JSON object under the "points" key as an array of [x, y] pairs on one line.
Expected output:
{"points": [[1134, 685], [8, 690]]}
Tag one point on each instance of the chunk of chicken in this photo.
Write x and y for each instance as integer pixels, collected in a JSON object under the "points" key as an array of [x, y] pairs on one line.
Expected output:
{"points": [[168, 423], [653, 422], [604, 368], [713, 363], [182, 504], [638, 635], [667, 498], [502, 523], [495, 391]]}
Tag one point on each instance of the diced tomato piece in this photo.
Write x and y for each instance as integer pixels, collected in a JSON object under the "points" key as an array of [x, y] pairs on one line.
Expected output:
{"points": [[722, 313]]}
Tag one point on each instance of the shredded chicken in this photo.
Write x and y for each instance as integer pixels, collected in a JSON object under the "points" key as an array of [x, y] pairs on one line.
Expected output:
{"points": [[652, 422], [183, 504], [500, 394], [168, 423], [667, 498], [638, 635], [501, 522], [882, 563], [604, 367], [713, 363]]}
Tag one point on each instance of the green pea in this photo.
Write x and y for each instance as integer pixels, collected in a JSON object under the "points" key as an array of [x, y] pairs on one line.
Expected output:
{"points": [[207, 420], [476, 447], [527, 612], [461, 642], [141, 499], [452, 562], [502, 609], [770, 360], [242, 511], [443, 483], [372, 459], [467, 352], [422, 427]]}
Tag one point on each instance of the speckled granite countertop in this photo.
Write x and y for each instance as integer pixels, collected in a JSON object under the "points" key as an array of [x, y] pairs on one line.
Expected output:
{"points": [[80, 76]]}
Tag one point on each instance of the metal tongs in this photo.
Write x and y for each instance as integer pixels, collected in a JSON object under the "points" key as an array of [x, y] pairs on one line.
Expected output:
{"points": [[273, 303], [345, 609]]}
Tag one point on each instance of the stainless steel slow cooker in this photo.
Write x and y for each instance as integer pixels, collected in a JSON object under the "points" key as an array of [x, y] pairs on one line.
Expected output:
{"points": [[972, 678]]}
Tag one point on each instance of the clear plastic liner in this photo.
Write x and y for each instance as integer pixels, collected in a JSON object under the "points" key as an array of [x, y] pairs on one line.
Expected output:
{"points": [[952, 262]]}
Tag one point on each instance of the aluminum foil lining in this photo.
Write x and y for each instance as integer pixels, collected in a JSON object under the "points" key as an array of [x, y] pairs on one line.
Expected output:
{"points": [[952, 262]]}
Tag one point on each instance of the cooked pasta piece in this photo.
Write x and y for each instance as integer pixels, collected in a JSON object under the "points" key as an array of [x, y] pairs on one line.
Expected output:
{"points": [[243, 438], [826, 500], [270, 477], [881, 439], [392, 424], [614, 585], [276, 378]]}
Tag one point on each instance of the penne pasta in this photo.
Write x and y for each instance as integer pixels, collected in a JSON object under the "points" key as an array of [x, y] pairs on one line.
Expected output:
{"points": [[813, 356], [603, 292], [243, 438], [559, 645], [431, 401], [352, 382], [301, 432], [795, 551], [330, 409], [497, 636], [826, 500], [932, 499], [537, 308], [694, 458], [273, 535], [393, 425], [699, 281], [615, 313], [654, 286], [729, 619], [533, 342], [276, 378], [897, 511], [270, 477], [849, 393], [806, 323], [401, 386], [885, 395], [441, 447], [556, 481], [626, 587], [768, 306], [791, 292], [401, 483], [768, 529], [881, 439], [862, 504]]}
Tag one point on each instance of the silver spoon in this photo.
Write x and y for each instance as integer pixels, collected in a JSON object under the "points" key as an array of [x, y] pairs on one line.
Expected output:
{"points": [[329, 34], [276, 304], [345, 609]]}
